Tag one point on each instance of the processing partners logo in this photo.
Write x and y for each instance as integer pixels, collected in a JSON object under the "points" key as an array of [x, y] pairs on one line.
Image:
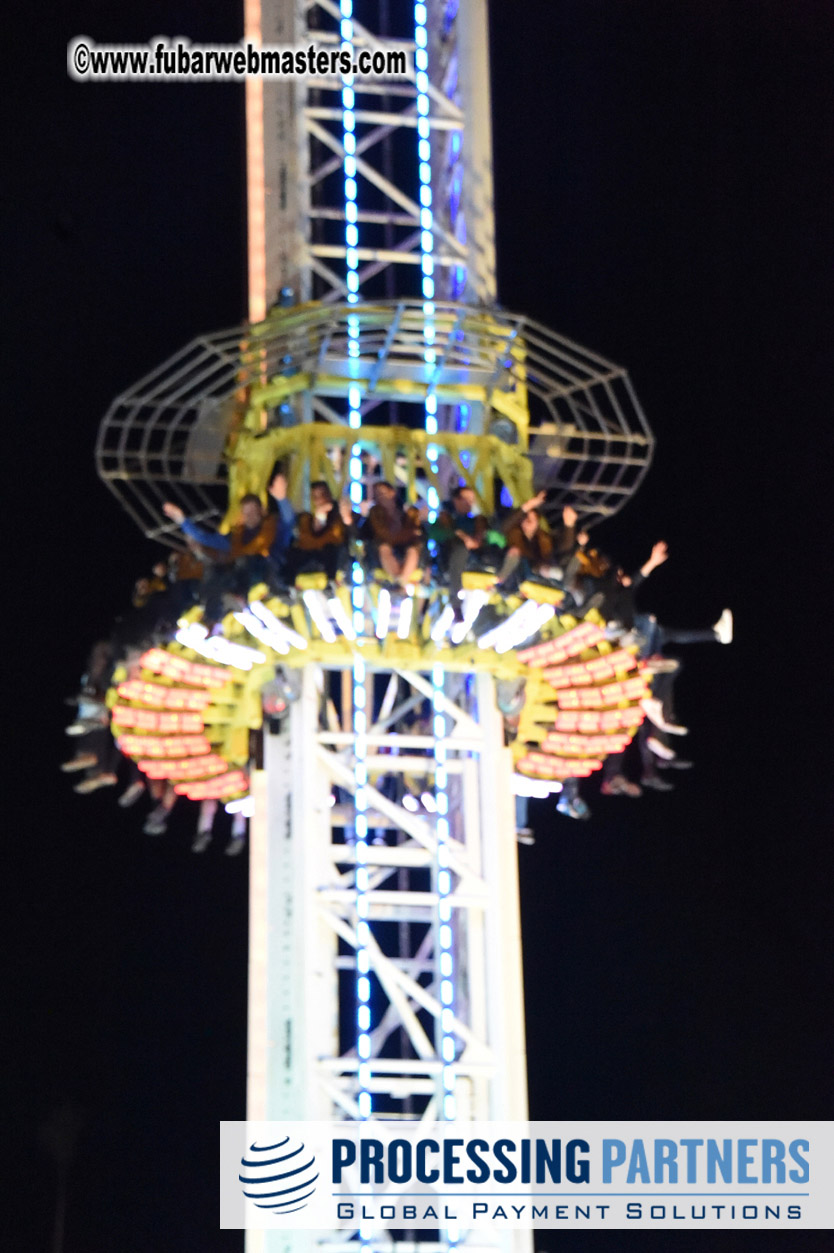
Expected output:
{"points": [[279, 1177], [375, 1176]]}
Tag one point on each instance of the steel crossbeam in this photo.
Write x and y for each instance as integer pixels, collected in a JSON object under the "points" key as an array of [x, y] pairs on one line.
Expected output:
{"points": [[296, 210], [306, 916]]}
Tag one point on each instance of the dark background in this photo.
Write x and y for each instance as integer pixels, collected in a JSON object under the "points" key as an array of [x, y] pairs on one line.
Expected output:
{"points": [[663, 184]]}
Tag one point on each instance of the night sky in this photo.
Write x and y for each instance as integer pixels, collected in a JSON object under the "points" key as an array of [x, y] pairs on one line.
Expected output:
{"points": [[663, 195]]}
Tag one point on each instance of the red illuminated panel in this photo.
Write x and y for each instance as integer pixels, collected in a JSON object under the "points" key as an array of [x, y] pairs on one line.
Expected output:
{"points": [[599, 697], [221, 788], [621, 659], [586, 635], [568, 676], [543, 766], [181, 768], [158, 661], [585, 745], [595, 671], [163, 746], [631, 718], [589, 722], [164, 697], [152, 720]]}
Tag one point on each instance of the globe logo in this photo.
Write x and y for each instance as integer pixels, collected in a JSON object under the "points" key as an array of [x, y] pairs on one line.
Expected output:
{"points": [[279, 1177]]}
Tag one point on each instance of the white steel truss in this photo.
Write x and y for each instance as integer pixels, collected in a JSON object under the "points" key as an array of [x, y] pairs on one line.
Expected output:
{"points": [[296, 154], [314, 884]]}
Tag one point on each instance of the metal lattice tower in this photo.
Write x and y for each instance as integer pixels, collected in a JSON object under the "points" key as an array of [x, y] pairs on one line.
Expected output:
{"points": [[385, 952]]}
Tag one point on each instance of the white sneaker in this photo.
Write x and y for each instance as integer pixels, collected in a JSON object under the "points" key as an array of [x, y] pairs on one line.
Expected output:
{"points": [[94, 782], [82, 761], [724, 627], [653, 709], [661, 750], [131, 794], [156, 822]]}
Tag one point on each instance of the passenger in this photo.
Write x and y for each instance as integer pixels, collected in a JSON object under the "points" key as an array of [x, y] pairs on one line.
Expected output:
{"points": [[461, 535], [253, 550], [618, 589], [205, 822], [529, 545], [570, 803], [322, 537], [186, 574], [566, 539], [614, 781], [654, 748], [394, 535], [156, 822]]}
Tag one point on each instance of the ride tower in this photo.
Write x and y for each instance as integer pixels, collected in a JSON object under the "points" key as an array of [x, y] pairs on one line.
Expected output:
{"points": [[400, 725]]}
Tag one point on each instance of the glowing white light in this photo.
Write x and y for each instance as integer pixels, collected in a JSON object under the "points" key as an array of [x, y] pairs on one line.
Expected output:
{"points": [[512, 625], [539, 788], [442, 624], [244, 805], [429, 802], [383, 613], [410, 803], [339, 615], [218, 648], [404, 622], [268, 618], [317, 609], [473, 603], [523, 629]]}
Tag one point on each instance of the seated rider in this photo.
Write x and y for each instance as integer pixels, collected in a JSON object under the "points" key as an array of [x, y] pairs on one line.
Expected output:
{"points": [[462, 536], [394, 536], [320, 543], [254, 548], [529, 546]]}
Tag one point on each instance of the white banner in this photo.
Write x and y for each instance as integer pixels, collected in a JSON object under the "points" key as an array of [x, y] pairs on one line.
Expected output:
{"points": [[456, 1176]]}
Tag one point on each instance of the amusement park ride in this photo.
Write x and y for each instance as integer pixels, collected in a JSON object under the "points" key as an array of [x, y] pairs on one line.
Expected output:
{"points": [[385, 974]]}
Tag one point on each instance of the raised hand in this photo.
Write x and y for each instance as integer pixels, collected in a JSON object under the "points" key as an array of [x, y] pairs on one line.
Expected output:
{"points": [[534, 502], [345, 510], [173, 512]]}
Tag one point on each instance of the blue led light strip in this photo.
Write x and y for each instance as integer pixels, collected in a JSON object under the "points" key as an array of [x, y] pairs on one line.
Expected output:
{"points": [[445, 954], [443, 877], [360, 713], [421, 65]]}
